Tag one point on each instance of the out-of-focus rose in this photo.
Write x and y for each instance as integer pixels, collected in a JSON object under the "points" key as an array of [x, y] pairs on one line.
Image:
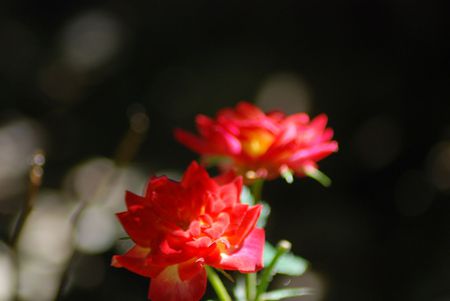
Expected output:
{"points": [[255, 144], [178, 227]]}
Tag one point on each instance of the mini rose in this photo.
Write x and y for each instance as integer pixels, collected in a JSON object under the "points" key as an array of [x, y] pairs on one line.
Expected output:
{"points": [[261, 145], [178, 227]]}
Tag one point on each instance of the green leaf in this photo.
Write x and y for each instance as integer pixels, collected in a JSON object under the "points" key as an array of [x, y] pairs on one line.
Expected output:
{"points": [[246, 196], [262, 221], [288, 264], [286, 293]]}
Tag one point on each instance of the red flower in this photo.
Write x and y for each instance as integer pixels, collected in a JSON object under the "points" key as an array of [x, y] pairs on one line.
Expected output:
{"points": [[260, 145], [179, 227]]}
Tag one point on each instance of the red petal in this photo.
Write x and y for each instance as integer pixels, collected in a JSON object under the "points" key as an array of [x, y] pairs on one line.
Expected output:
{"points": [[200, 243], [247, 224], [319, 123], [135, 227], [286, 136], [314, 153], [204, 124], [183, 282], [237, 214], [224, 142], [219, 226], [248, 110], [298, 118], [231, 193], [327, 134], [166, 249], [188, 270], [249, 258], [136, 261], [132, 199], [193, 142], [195, 174], [226, 177]]}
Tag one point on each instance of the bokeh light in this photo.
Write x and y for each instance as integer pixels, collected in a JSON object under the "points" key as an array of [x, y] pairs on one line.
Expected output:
{"points": [[287, 92], [414, 193], [44, 247], [96, 230], [88, 179], [38, 281], [7, 273], [99, 186], [378, 142], [19, 139], [46, 236], [438, 166], [91, 40]]}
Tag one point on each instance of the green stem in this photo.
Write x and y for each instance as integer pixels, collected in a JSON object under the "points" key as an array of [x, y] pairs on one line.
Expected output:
{"points": [[217, 284], [256, 189], [282, 248], [250, 286], [251, 279]]}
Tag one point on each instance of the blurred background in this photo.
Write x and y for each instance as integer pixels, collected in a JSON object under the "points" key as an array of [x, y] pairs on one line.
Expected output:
{"points": [[100, 86]]}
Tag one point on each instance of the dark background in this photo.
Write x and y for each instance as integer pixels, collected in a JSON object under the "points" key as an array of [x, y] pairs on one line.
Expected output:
{"points": [[378, 69]]}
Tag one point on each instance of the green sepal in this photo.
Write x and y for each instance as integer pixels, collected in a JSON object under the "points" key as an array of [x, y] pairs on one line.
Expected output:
{"points": [[319, 176], [288, 176]]}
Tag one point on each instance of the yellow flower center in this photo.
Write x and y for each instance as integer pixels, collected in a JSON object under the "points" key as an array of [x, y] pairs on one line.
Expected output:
{"points": [[257, 143]]}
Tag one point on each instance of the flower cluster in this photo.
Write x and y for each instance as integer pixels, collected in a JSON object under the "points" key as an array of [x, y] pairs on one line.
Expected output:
{"points": [[259, 145], [178, 227]]}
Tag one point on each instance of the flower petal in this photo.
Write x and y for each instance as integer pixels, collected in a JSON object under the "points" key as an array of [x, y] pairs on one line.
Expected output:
{"points": [[136, 261], [314, 153], [195, 174], [247, 224], [204, 124], [132, 200], [181, 282], [193, 142], [246, 110], [249, 258], [135, 227]]}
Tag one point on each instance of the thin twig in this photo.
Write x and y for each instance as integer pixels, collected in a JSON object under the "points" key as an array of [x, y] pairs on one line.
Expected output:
{"points": [[125, 152], [35, 180]]}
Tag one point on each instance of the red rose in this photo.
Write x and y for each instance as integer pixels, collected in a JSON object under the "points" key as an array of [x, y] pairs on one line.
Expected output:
{"points": [[259, 145], [179, 227]]}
